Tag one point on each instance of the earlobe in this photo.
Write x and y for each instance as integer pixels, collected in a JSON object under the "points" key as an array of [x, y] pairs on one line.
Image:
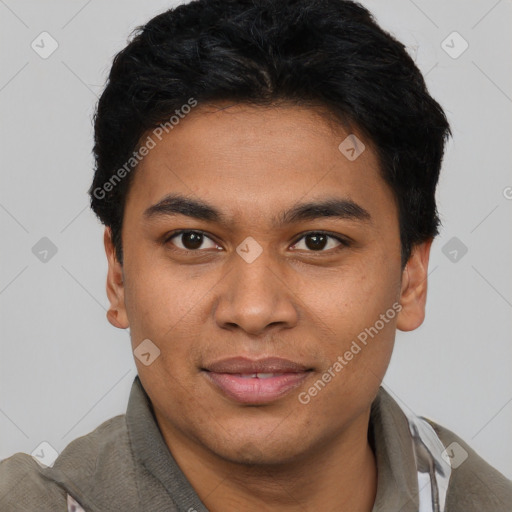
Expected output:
{"points": [[116, 314], [113, 318], [413, 294]]}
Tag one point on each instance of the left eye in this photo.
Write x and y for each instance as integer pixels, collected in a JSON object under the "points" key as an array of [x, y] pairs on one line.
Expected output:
{"points": [[319, 241]]}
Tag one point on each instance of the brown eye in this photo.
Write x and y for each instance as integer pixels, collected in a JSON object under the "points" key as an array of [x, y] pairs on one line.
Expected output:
{"points": [[317, 242], [192, 241]]}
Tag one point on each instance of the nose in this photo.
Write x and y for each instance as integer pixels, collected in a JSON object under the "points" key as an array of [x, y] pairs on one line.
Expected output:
{"points": [[256, 296]]}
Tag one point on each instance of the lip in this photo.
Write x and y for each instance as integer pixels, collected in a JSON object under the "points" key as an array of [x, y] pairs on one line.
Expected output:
{"points": [[234, 377], [246, 365]]}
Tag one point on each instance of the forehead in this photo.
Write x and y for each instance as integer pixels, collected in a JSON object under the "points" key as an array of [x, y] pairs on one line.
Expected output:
{"points": [[253, 160]]}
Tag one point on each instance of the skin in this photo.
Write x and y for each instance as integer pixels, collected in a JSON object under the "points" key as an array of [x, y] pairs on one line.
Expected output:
{"points": [[293, 301]]}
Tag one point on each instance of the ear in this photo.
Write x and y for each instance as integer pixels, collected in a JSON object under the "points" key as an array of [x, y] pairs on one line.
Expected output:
{"points": [[413, 293], [116, 314]]}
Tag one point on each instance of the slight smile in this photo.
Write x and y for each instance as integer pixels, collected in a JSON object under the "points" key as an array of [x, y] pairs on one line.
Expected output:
{"points": [[256, 382]]}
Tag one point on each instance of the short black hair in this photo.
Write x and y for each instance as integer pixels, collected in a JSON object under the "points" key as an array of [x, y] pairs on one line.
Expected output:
{"points": [[330, 53]]}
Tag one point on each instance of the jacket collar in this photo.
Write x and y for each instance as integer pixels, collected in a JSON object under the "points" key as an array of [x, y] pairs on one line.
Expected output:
{"points": [[389, 436]]}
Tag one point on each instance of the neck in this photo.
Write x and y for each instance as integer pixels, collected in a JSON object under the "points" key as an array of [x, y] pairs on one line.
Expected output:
{"points": [[340, 475]]}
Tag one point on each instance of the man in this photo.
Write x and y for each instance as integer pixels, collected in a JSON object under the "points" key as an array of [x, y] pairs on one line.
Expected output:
{"points": [[266, 172]]}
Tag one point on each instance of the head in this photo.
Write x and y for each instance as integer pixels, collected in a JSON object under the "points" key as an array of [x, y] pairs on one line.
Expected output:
{"points": [[266, 173]]}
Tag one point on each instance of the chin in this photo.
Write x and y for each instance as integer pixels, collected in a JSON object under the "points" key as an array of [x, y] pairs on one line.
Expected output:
{"points": [[257, 450]]}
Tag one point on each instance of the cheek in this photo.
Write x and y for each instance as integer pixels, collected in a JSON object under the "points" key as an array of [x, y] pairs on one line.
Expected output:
{"points": [[354, 298], [166, 308], [158, 298], [357, 360], [358, 313]]}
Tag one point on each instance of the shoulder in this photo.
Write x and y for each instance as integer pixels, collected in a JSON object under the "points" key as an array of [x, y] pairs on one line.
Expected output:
{"points": [[23, 486], [474, 484], [27, 485]]}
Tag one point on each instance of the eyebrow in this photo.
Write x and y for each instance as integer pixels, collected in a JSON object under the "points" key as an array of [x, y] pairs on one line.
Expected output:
{"points": [[340, 208]]}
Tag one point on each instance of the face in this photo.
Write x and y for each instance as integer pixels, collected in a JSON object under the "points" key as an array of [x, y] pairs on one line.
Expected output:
{"points": [[264, 266]]}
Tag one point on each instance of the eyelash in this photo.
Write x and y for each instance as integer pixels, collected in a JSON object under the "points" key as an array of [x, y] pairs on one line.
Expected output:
{"points": [[343, 241]]}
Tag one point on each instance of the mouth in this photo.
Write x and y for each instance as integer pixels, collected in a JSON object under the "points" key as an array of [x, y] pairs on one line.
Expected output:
{"points": [[256, 382]]}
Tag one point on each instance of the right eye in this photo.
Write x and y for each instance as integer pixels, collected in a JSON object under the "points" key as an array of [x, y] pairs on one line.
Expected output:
{"points": [[190, 240]]}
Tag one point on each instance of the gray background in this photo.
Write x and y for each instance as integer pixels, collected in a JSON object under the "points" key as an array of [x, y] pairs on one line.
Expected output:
{"points": [[64, 369]]}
